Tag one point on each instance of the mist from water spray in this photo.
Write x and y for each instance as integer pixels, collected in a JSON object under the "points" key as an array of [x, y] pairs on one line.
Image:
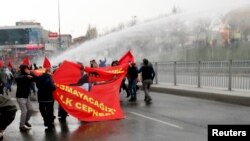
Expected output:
{"points": [[159, 40]]}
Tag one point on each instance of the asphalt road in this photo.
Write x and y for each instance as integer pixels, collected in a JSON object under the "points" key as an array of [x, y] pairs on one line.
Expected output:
{"points": [[168, 118]]}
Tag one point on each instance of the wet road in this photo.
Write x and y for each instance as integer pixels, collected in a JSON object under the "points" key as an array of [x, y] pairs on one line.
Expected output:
{"points": [[168, 118]]}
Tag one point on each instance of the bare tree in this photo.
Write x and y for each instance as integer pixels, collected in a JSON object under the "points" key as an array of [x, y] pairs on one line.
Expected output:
{"points": [[91, 32], [133, 21], [121, 26], [201, 32]]}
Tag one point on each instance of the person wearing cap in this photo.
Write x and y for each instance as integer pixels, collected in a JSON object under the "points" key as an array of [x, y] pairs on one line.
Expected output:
{"points": [[24, 78]]}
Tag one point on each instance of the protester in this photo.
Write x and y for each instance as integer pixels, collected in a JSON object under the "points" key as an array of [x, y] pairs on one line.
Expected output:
{"points": [[84, 80], [102, 63], [13, 71], [148, 75], [9, 77], [45, 86], [4, 78], [93, 64], [123, 85], [24, 78], [35, 66], [62, 114], [132, 80], [7, 113]]}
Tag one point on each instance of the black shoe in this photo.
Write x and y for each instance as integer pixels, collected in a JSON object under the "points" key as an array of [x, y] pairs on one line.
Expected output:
{"points": [[148, 100], [50, 128], [128, 95], [62, 119], [24, 128], [28, 124], [132, 99]]}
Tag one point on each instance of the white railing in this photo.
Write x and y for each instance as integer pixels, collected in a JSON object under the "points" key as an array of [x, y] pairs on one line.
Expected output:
{"points": [[230, 74]]}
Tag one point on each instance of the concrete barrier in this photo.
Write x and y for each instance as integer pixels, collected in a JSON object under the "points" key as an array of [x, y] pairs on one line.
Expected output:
{"points": [[234, 97]]}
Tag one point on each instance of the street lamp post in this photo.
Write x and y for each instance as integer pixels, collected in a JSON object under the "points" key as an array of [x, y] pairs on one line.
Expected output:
{"points": [[59, 25]]}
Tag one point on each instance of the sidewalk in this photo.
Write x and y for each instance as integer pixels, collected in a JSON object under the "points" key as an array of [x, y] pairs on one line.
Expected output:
{"points": [[234, 97]]}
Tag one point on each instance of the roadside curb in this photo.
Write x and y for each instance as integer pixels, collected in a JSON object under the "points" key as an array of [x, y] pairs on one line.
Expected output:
{"points": [[216, 95]]}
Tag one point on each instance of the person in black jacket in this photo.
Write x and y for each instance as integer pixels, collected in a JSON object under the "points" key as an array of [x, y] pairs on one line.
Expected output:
{"points": [[24, 78], [148, 75], [45, 86], [132, 80]]}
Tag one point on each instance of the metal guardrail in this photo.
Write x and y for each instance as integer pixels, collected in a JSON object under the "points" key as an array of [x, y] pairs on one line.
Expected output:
{"points": [[230, 74]]}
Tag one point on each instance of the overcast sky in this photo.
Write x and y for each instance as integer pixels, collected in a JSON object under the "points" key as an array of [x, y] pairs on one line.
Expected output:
{"points": [[76, 15]]}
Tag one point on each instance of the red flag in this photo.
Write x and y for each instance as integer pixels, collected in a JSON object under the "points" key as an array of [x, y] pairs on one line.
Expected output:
{"points": [[26, 60], [67, 73], [128, 57], [101, 103], [10, 65], [46, 63]]}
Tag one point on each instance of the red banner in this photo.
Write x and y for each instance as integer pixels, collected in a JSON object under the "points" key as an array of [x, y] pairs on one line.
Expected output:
{"points": [[101, 103], [105, 73]]}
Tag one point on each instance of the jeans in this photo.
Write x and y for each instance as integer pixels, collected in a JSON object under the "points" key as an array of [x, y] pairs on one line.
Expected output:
{"points": [[132, 87], [146, 85]]}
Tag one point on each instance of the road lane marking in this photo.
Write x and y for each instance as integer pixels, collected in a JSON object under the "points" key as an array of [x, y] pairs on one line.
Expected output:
{"points": [[154, 119]]}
